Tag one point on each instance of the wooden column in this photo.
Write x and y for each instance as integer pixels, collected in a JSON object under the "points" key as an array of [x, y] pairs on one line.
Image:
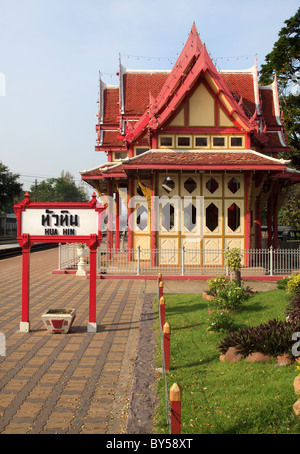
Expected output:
{"points": [[109, 234], [269, 222], [258, 223], [275, 216], [153, 221], [248, 218], [130, 210], [117, 225]]}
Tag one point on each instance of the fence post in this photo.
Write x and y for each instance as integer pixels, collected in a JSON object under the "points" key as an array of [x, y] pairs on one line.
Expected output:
{"points": [[159, 276], [182, 261], [162, 308], [167, 333], [175, 407], [271, 261], [161, 289], [138, 260]]}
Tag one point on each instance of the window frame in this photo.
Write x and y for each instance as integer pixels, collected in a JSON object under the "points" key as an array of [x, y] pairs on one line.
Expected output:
{"points": [[218, 146], [239, 147], [166, 137], [184, 136], [202, 137]]}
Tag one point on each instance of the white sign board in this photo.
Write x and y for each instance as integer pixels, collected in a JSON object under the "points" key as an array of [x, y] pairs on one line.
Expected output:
{"points": [[65, 222]]}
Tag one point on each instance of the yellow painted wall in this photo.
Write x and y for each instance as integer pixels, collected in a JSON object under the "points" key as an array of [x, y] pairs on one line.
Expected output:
{"points": [[202, 108], [179, 119]]}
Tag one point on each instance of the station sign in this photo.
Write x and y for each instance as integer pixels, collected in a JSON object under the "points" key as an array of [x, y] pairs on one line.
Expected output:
{"points": [[58, 221], [62, 222]]}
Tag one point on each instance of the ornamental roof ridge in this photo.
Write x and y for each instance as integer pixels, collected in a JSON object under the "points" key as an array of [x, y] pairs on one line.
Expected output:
{"points": [[250, 70], [145, 71], [103, 167]]}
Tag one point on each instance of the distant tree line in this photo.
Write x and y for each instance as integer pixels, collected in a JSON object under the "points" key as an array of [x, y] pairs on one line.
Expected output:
{"points": [[61, 189]]}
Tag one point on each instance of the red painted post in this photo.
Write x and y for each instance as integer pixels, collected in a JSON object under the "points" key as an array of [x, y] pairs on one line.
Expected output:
{"points": [[162, 309], [159, 276], [175, 404], [24, 325], [92, 327], [160, 289], [167, 335]]}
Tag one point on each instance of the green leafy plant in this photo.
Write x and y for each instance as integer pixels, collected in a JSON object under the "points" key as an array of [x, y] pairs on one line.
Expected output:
{"points": [[293, 285], [81, 245], [233, 259], [293, 310], [231, 297], [221, 321], [217, 283], [282, 283], [272, 338]]}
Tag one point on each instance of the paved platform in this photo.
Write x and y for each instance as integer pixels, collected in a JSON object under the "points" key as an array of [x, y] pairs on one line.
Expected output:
{"points": [[66, 383], [75, 383]]}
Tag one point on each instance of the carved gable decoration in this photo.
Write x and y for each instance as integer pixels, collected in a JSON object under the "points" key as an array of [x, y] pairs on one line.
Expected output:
{"points": [[193, 77]]}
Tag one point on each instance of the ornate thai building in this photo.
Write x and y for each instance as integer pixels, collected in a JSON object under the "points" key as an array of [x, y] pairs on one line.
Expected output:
{"points": [[198, 134]]}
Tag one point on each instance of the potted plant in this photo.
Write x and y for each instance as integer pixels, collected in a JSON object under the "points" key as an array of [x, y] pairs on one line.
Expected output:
{"points": [[59, 320]]}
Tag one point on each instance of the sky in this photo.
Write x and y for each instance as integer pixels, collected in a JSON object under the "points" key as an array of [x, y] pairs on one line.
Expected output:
{"points": [[51, 52]]}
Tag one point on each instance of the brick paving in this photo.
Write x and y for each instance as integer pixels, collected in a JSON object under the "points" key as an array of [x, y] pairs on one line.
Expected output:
{"points": [[75, 383], [71, 383]]}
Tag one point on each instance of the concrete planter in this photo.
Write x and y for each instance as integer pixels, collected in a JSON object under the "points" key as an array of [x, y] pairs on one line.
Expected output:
{"points": [[59, 320]]}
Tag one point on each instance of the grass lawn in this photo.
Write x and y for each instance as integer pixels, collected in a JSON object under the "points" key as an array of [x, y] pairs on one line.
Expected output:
{"points": [[225, 398]]}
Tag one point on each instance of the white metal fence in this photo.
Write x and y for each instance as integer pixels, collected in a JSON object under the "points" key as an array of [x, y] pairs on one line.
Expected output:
{"points": [[184, 261]]}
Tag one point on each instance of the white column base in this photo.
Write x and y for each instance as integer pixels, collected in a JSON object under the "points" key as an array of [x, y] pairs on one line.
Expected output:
{"points": [[91, 327], [81, 270], [24, 327]]}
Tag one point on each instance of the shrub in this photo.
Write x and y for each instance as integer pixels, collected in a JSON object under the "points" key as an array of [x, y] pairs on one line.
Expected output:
{"points": [[231, 297], [233, 259], [272, 338], [293, 310], [221, 321], [293, 285], [282, 283], [217, 283]]}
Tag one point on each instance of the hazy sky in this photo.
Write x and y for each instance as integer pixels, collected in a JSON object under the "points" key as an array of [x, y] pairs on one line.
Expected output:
{"points": [[51, 53]]}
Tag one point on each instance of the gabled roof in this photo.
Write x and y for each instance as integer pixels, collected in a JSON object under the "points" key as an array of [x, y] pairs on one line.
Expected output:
{"points": [[193, 62], [146, 100]]}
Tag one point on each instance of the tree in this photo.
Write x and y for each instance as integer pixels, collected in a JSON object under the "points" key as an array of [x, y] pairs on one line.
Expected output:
{"points": [[284, 60], [289, 214], [10, 189], [62, 189]]}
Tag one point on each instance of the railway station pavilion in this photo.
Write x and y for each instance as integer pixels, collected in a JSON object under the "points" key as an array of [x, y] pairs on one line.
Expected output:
{"points": [[196, 134]]}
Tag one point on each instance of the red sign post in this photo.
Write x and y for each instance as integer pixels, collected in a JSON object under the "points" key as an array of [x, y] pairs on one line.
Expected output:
{"points": [[58, 222]]}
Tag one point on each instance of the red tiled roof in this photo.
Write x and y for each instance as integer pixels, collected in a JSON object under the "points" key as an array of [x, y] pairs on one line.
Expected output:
{"points": [[207, 158], [111, 106], [189, 160], [242, 84], [274, 141], [136, 90], [110, 139], [268, 108]]}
